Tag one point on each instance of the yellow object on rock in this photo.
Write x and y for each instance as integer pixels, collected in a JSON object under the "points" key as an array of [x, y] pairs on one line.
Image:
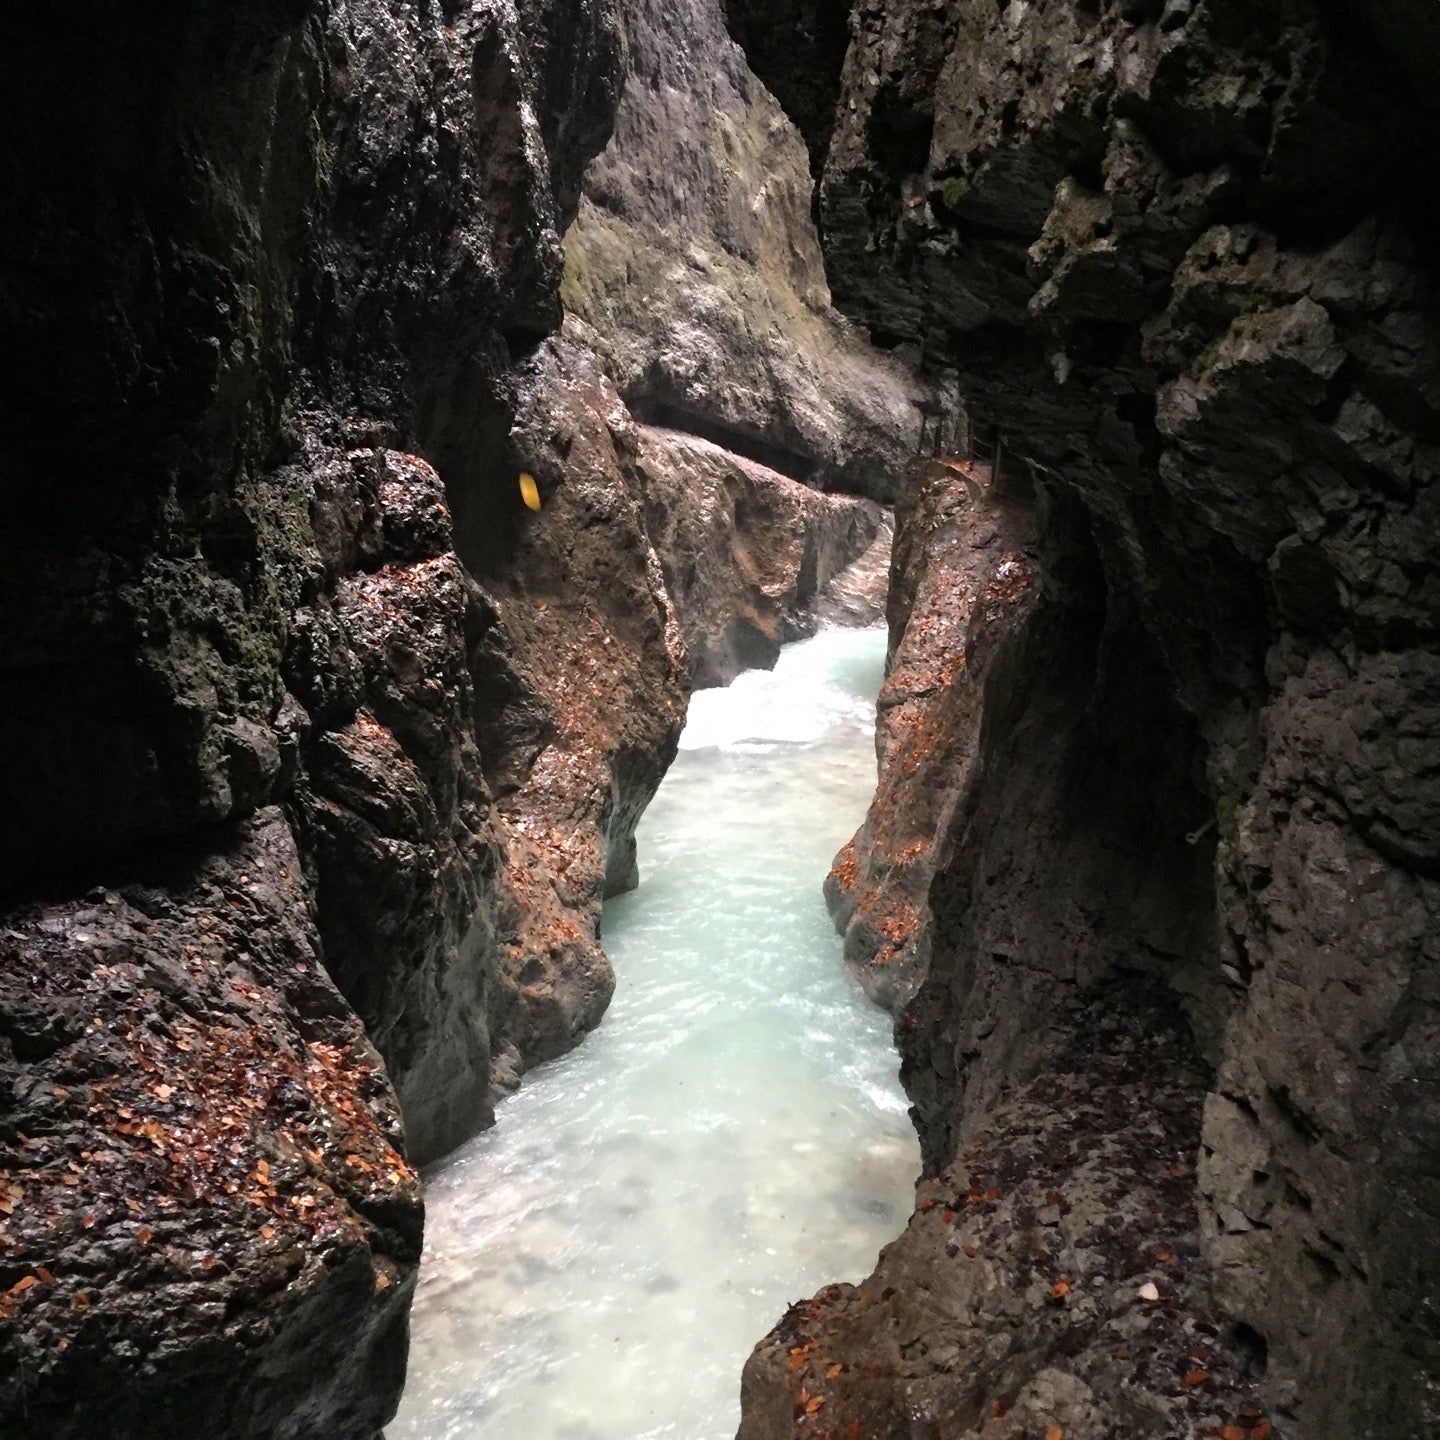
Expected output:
{"points": [[529, 490]]}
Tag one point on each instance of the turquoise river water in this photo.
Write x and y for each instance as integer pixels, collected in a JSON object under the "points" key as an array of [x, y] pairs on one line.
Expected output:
{"points": [[599, 1265]]}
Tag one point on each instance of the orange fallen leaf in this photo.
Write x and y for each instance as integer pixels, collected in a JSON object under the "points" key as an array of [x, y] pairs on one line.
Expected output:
{"points": [[998, 1408], [144, 1235], [1232, 1432], [832, 1371], [1060, 1289], [1195, 1377], [1054, 1432], [814, 1403], [972, 1251], [1263, 1431]]}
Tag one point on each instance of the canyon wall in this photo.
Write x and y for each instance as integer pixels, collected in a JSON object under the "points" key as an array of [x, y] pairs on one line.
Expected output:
{"points": [[1182, 258], [694, 258], [257, 263], [322, 746]]}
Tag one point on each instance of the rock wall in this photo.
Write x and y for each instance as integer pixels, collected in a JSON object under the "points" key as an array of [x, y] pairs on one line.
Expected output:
{"points": [[258, 263], [695, 260], [963, 580], [1180, 257], [747, 552], [317, 739]]}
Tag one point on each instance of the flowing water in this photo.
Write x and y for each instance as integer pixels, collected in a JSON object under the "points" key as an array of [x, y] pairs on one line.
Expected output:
{"points": [[599, 1265]]}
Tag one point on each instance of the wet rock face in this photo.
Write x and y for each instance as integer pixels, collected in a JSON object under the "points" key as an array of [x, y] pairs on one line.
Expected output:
{"points": [[262, 268], [583, 681], [1177, 255], [747, 552], [206, 1225], [695, 260], [964, 579]]}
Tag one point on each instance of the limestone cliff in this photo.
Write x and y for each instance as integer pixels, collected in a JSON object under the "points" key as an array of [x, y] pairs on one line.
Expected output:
{"points": [[695, 259]]}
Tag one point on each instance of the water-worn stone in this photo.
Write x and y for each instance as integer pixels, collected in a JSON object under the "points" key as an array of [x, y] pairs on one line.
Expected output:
{"points": [[1176, 254], [747, 552], [963, 581]]}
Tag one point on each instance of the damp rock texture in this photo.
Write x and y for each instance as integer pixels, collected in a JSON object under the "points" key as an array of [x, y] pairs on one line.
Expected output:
{"points": [[964, 577], [749, 554], [208, 1227], [1067, 1226], [1182, 260], [268, 272], [695, 259]]}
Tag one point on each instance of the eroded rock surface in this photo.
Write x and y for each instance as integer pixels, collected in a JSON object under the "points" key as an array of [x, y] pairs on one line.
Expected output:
{"points": [[696, 261], [1178, 256], [1050, 1279], [208, 1227], [259, 262], [747, 552], [964, 578]]}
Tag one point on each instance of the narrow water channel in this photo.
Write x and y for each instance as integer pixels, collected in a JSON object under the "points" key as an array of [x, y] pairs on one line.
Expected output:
{"points": [[599, 1264]]}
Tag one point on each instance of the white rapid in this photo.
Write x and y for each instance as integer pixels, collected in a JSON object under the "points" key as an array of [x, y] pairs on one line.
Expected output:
{"points": [[599, 1264]]}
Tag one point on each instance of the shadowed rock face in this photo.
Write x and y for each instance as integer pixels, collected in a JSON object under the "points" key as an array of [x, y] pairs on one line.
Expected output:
{"points": [[695, 260], [1180, 258], [262, 265], [797, 48]]}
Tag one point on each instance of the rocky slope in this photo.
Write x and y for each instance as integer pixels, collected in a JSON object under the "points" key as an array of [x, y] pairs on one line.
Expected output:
{"points": [[695, 260], [1181, 259]]}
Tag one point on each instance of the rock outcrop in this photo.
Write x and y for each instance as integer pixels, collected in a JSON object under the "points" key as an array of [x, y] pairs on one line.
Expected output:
{"points": [[1069, 1228], [208, 1227], [259, 262], [695, 260], [1179, 255], [963, 581], [747, 552]]}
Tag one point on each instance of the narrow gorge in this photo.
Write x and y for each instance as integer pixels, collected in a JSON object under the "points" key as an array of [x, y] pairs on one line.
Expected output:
{"points": [[470, 468]]}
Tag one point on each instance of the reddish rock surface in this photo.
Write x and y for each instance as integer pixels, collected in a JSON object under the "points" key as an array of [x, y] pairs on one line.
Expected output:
{"points": [[964, 577]]}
